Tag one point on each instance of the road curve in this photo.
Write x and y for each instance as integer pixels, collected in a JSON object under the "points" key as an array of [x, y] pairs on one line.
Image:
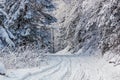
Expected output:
{"points": [[73, 67]]}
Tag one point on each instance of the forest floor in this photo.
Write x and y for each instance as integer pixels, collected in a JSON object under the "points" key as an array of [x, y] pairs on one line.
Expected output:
{"points": [[68, 67]]}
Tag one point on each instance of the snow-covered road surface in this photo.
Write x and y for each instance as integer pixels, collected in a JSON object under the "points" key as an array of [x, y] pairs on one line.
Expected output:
{"points": [[69, 67]]}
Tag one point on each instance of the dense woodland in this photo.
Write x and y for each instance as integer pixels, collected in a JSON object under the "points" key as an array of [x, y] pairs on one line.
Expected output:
{"points": [[25, 23], [59, 39], [40, 23]]}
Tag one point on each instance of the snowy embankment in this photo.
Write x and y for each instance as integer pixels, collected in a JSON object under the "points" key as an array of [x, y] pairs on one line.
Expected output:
{"points": [[2, 69], [68, 67]]}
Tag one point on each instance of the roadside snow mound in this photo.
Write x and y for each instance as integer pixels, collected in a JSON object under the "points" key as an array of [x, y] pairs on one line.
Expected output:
{"points": [[2, 69]]}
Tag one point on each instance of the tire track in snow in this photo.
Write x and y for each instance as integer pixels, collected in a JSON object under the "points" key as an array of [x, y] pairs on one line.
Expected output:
{"points": [[60, 74], [62, 69], [77, 72], [65, 70], [68, 69], [29, 75], [75, 68]]}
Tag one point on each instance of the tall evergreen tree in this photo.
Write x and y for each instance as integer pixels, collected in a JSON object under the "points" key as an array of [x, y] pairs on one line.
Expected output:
{"points": [[25, 21]]}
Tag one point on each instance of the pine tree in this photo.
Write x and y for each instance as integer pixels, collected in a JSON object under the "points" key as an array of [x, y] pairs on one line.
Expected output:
{"points": [[25, 21]]}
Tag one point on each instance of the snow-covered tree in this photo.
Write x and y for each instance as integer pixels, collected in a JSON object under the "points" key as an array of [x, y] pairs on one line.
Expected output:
{"points": [[93, 25], [25, 21]]}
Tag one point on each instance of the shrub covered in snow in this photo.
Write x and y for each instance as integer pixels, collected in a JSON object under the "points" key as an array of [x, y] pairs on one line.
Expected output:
{"points": [[23, 58]]}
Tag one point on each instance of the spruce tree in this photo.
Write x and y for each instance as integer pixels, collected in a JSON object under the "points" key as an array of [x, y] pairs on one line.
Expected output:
{"points": [[24, 22]]}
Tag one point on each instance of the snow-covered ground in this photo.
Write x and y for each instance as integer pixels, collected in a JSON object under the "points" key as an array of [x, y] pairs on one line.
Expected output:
{"points": [[2, 69], [68, 67]]}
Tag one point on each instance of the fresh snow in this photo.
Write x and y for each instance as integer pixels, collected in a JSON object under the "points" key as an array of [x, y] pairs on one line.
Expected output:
{"points": [[63, 65], [2, 69], [68, 67]]}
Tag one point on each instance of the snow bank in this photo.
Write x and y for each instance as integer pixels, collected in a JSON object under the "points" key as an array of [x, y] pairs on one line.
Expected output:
{"points": [[2, 69]]}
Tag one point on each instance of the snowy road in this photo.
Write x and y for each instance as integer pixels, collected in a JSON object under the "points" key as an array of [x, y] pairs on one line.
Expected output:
{"points": [[61, 67]]}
